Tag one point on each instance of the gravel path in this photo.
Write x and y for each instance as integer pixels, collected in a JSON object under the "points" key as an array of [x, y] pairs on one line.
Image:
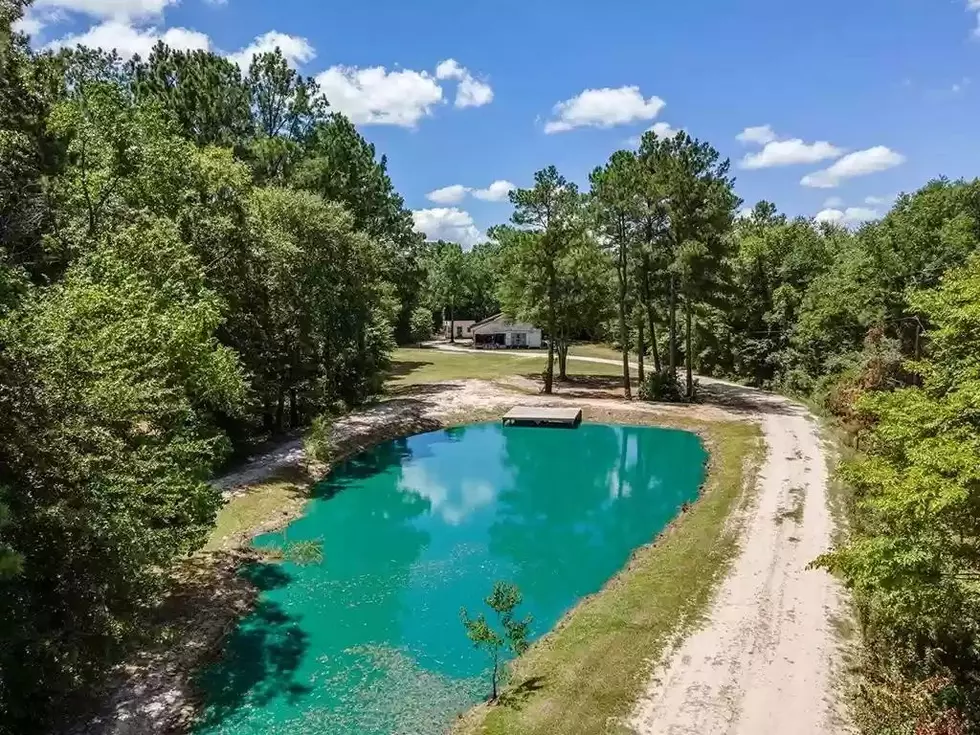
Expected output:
{"points": [[764, 662]]}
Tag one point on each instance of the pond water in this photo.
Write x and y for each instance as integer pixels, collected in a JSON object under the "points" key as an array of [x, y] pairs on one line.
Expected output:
{"points": [[369, 641]]}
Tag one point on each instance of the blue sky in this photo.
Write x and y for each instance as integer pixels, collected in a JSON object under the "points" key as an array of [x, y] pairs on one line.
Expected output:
{"points": [[862, 98]]}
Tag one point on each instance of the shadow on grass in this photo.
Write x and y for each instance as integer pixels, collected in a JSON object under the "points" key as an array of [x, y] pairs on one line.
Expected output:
{"points": [[420, 390], [518, 696], [401, 368]]}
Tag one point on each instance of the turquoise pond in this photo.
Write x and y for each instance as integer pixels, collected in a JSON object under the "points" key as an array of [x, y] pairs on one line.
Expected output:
{"points": [[369, 641]]}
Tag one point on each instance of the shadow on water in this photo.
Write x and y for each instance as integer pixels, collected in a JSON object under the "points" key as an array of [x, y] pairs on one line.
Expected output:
{"points": [[261, 656], [386, 456]]}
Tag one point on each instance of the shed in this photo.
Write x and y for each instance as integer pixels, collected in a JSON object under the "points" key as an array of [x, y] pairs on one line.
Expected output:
{"points": [[501, 332], [463, 327]]}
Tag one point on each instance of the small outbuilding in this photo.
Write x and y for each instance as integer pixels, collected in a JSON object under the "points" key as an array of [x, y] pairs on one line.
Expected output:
{"points": [[462, 326], [501, 332]]}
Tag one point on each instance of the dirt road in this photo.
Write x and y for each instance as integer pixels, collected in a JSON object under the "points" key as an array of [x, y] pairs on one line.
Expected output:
{"points": [[765, 659]]}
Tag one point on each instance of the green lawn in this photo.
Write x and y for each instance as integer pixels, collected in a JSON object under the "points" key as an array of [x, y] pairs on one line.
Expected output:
{"points": [[600, 350], [413, 366], [585, 676]]}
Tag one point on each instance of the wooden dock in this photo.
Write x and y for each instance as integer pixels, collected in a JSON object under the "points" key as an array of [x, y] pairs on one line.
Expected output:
{"points": [[543, 416]]}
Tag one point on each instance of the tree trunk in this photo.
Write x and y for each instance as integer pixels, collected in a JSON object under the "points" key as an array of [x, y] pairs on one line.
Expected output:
{"points": [[640, 346], [452, 321], [562, 359], [624, 339], [293, 409], [651, 313], [268, 420], [280, 406], [493, 695], [549, 375], [672, 347], [688, 357], [653, 338]]}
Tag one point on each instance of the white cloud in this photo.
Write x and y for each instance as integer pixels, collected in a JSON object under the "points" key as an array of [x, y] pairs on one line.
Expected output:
{"points": [[603, 108], [859, 163], [375, 96], [116, 9], [470, 92], [960, 86], [31, 23], [496, 192], [295, 49], [790, 152], [833, 203], [876, 201], [453, 194], [664, 130], [760, 134], [450, 69], [448, 223], [849, 216], [974, 7], [129, 40], [473, 93]]}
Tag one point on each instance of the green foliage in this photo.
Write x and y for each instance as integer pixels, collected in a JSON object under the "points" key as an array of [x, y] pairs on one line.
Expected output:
{"points": [[914, 563], [661, 387], [421, 324], [318, 441], [111, 377], [512, 632], [191, 260]]}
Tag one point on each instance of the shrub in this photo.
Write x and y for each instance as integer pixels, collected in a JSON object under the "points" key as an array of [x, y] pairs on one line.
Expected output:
{"points": [[663, 387], [319, 439]]}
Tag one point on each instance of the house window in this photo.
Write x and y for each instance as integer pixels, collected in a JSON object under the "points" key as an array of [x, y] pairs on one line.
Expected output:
{"points": [[519, 339], [459, 331]]}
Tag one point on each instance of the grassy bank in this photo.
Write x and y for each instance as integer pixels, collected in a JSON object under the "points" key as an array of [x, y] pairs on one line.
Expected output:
{"points": [[586, 675]]}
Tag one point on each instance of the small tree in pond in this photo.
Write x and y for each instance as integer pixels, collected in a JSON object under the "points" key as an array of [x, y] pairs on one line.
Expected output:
{"points": [[512, 634]]}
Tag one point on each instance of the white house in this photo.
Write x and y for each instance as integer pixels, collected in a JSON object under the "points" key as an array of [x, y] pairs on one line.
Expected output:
{"points": [[463, 327], [500, 332]]}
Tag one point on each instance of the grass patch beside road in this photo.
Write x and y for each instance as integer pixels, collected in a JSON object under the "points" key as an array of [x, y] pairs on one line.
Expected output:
{"points": [[586, 675], [413, 366]]}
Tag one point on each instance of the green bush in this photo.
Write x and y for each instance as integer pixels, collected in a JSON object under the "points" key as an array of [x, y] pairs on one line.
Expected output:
{"points": [[319, 439], [662, 387]]}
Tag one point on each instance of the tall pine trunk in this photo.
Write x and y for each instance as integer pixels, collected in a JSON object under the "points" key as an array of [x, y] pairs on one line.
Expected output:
{"points": [[654, 348], [549, 375], [651, 313], [672, 347], [562, 359], [624, 339], [452, 320], [640, 346], [688, 357]]}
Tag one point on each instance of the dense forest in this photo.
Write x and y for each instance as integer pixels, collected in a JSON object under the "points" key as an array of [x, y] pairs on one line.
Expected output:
{"points": [[195, 258]]}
